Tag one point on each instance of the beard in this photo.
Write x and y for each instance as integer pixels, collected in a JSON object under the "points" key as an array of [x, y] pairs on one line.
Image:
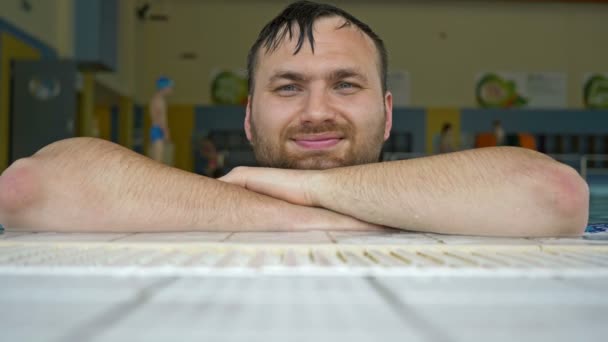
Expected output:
{"points": [[361, 149]]}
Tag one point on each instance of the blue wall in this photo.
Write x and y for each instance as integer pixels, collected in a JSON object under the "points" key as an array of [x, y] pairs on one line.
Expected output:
{"points": [[536, 121], [96, 33], [114, 123], [412, 120], [138, 129], [208, 118], [231, 118]]}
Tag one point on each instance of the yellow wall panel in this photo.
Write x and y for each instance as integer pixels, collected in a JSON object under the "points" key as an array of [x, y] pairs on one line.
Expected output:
{"points": [[86, 111], [181, 123], [147, 124], [126, 122], [102, 121]]}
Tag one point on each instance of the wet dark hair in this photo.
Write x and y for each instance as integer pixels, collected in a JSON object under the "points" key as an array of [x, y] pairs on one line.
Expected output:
{"points": [[304, 14]]}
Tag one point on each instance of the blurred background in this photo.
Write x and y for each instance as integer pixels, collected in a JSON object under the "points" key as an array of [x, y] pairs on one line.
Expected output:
{"points": [[464, 74]]}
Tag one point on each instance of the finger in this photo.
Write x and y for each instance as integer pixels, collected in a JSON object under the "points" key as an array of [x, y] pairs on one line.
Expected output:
{"points": [[232, 180], [243, 176]]}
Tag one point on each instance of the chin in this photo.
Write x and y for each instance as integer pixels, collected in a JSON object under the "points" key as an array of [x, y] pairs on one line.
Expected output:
{"points": [[318, 163]]}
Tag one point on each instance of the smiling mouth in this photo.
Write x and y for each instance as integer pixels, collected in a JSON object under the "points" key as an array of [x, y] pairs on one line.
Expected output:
{"points": [[317, 142]]}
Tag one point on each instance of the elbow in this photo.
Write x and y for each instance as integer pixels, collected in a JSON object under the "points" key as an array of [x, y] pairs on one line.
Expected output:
{"points": [[18, 192], [21, 182], [30, 185], [24, 182], [566, 198]]}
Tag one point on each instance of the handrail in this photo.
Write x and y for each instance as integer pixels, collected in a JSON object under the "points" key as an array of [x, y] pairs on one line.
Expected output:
{"points": [[586, 157]]}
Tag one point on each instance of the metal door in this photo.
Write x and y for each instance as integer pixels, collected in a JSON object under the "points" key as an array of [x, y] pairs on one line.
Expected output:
{"points": [[43, 108]]}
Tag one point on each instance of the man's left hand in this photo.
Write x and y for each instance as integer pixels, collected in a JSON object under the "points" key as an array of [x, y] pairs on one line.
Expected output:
{"points": [[293, 186]]}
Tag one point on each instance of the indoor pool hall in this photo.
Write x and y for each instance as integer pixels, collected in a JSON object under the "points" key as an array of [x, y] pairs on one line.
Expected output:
{"points": [[274, 170]]}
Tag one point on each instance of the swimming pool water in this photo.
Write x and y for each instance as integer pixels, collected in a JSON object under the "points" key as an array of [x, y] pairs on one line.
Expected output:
{"points": [[598, 205]]}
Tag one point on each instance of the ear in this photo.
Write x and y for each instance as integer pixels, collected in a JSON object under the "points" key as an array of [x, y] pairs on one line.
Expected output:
{"points": [[388, 108], [248, 119]]}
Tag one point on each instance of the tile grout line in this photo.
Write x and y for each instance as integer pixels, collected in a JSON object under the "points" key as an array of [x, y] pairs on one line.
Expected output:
{"points": [[121, 237], [227, 237], [18, 234], [406, 314], [330, 237], [101, 323]]}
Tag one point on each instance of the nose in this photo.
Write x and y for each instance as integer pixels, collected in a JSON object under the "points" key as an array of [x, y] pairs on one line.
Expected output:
{"points": [[318, 108]]}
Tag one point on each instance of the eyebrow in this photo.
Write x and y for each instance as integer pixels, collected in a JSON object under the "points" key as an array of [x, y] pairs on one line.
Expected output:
{"points": [[340, 74], [288, 75], [337, 74]]}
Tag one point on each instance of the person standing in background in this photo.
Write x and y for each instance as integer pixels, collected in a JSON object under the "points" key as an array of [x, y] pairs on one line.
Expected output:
{"points": [[160, 135], [212, 162], [446, 139], [499, 133]]}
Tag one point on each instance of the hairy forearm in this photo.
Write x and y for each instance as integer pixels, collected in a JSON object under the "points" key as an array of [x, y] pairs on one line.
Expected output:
{"points": [[495, 191], [87, 184]]}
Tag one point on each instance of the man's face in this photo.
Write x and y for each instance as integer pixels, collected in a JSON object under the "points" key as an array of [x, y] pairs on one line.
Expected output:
{"points": [[321, 110]]}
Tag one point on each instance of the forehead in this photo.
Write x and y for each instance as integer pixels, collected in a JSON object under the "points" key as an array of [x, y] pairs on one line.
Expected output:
{"points": [[335, 46]]}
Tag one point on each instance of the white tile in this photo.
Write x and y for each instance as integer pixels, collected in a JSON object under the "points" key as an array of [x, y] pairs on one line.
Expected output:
{"points": [[265, 309], [493, 291], [599, 286], [569, 241], [7, 235], [313, 237], [385, 237], [480, 240], [504, 309], [184, 237], [508, 322], [48, 308], [69, 237]]}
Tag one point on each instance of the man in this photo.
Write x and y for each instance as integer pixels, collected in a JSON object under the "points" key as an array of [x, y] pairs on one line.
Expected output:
{"points": [[499, 133], [159, 131], [446, 139], [317, 114]]}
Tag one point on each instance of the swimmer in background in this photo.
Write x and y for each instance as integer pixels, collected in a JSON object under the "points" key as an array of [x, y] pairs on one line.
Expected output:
{"points": [[159, 132]]}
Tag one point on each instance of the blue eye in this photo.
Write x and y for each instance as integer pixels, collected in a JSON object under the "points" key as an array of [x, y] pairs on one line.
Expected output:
{"points": [[289, 87], [347, 88], [287, 90]]}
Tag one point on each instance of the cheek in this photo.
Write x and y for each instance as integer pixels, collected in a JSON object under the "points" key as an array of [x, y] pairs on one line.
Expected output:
{"points": [[367, 119], [269, 121]]}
